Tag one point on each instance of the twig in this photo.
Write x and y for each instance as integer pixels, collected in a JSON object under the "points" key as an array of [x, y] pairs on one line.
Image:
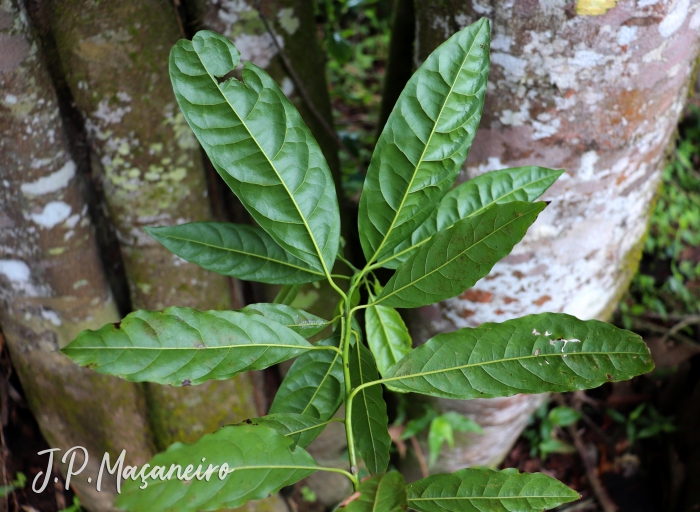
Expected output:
{"points": [[591, 471], [176, 7], [692, 171], [650, 326], [597, 487], [421, 457], [689, 320], [302, 91], [583, 505]]}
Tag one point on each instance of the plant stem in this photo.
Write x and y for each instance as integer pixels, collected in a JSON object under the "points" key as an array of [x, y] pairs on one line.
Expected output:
{"points": [[352, 456], [349, 392], [352, 477]]}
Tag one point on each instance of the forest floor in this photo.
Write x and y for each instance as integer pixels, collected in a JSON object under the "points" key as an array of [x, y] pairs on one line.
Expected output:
{"points": [[630, 446]]}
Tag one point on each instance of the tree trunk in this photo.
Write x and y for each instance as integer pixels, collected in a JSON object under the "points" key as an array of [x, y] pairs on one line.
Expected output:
{"points": [[598, 96], [115, 59], [52, 284], [399, 66]]}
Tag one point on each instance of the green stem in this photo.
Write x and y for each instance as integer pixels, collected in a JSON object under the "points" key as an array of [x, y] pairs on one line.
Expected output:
{"points": [[352, 456], [346, 337], [352, 477], [324, 347], [364, 386]]}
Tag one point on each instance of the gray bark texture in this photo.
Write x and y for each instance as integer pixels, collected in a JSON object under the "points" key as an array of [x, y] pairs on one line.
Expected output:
{"points": [[114, 56], [52, 283], [597, 95]]}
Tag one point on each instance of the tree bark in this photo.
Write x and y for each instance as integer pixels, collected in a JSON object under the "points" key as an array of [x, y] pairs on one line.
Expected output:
{"points": [[399, 67], [598, 96], [115, 59], [52, 283]]}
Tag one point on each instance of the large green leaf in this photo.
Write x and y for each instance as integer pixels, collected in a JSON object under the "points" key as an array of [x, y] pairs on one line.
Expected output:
{"points": [[183, 346], [425, 141], [314, 385], [387, 336], [457, 257], [300, 429], [245, 252], [369, 417], [303, 323], [482, 490], [260, 145], [471, 198], [380, 493], [533, 354], [260, 461]]}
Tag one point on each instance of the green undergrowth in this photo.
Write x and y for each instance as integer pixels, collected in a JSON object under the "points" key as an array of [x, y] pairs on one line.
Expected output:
{"points": [[668, 281]]}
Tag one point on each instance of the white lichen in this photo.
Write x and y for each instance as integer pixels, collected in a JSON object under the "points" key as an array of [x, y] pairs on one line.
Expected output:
{"points": [[52, 214], [674, 19], [16, 271], [51, 183]]}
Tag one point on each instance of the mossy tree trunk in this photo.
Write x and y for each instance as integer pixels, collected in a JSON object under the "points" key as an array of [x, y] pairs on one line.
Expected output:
{"points": [[115, 59], [597, 95], [52, 283]]}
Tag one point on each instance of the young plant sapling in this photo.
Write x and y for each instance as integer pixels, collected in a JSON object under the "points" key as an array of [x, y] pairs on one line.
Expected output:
{"points": [[440, 241]]}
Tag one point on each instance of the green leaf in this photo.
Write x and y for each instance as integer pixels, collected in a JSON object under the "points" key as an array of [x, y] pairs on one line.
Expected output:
{"points": [[461, 423], [534, 354], [564, 416], [369, 417], [303, 323], [457, 257], [380, 493], [425, 141], [472, 197], [387, 336], [417, 425], [300, 429], [183, 346], [287, 294], [314, 385], [488, 490], [440, 432], [260, 461], [245, 252], [260, 145], [555, 446]]}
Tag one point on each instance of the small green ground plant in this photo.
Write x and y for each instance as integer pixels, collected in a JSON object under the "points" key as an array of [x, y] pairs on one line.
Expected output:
{"points": [[439, 240], [667, 283]]}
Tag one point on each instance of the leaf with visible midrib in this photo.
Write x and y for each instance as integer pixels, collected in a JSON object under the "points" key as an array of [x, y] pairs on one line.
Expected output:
{"points": [[183, 346], [425, 141], [488, 490], [260, 145], [302, 430], [549, 352], [387, 336], [369, 417], [303, 323], [457, 257], [471, 198], [314, 384], [236, 250], [380, 493], [261, 458]]}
